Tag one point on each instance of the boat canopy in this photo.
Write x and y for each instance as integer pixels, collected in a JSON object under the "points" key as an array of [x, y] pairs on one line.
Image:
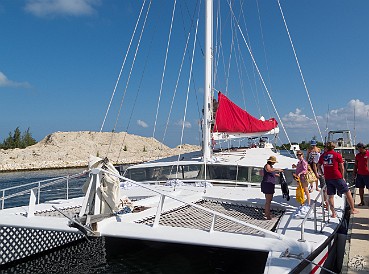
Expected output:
{"points": [[231, 118]]}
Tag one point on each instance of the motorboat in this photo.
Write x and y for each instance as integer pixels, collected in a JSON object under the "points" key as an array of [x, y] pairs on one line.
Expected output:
{"points": [[344, 145]]}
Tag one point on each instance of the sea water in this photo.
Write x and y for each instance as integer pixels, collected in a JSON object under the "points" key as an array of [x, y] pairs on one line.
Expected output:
{"points": [[109, 255]]}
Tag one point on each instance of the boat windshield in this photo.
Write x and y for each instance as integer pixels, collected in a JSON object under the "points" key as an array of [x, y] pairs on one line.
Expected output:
{"points": [[195, 172]]}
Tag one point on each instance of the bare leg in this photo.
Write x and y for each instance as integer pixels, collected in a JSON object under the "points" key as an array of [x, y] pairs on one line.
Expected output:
{"points": [[307, 193], [331, 205], [325, 199], [315, 170], [350, 200], [361, 193], [268, 201]]}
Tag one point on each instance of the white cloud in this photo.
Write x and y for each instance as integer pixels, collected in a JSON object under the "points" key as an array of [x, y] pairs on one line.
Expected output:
{"points": [[5, 82], [186, 124], [355, 112], [298, 120], [142, 123], [355, 115], [44, 8], [354, 109]]}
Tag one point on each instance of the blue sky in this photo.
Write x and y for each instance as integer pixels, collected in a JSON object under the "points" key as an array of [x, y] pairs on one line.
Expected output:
{"points": [[60, 60]]}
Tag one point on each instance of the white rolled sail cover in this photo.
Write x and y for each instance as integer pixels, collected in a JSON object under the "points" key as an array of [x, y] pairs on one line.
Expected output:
{"points": [[108, 189]]}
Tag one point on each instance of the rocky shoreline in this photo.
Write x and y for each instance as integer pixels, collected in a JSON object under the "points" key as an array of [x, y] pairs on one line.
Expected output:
{"points": [[73, 149]]}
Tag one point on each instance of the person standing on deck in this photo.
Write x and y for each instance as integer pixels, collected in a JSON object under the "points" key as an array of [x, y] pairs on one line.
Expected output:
{"points": [[312, 157], [361, 172], [332, 163], [301, 170], [268, 184]]}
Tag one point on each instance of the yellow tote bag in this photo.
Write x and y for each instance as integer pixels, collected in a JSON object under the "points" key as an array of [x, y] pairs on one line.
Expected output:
{"points": [[300, 194]]}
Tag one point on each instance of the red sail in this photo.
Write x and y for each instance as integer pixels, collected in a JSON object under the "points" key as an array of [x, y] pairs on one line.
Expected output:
{"points": [[231, 118]]}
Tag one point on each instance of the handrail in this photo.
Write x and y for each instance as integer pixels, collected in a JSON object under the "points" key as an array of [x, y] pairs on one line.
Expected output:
{"points": [[302, 239], [52, 181], [215, 213], [20, 186]]}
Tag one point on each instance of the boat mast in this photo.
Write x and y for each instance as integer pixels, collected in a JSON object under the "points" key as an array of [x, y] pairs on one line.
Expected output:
{"points": [[208, 87]]}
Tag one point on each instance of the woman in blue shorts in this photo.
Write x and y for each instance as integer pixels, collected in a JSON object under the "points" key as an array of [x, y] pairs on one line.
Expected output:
{"points": [[268, 184]]}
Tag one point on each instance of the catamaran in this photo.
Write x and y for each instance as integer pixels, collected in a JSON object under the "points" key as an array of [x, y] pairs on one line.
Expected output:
{"points": [[209, 198]]}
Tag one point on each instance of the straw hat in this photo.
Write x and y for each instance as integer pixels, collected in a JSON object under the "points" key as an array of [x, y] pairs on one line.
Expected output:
{"points": [[272, 159]]}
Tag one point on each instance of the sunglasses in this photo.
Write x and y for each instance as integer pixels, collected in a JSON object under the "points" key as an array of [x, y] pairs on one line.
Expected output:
{"points": [[299, 154]]}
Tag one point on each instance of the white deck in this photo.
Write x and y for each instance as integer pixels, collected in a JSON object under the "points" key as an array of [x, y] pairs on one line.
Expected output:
{"points": [[130, 225]]}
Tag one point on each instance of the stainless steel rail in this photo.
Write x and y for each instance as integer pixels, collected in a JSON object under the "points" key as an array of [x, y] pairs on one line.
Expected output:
{"points": [[323, 220], [38, 185]]}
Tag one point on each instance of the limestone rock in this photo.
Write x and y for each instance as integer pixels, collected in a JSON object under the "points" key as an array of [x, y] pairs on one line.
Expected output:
{"points": [[72, 149]]}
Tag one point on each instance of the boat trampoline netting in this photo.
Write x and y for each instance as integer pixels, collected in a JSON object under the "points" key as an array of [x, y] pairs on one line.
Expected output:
{"points": [[190, 217]]}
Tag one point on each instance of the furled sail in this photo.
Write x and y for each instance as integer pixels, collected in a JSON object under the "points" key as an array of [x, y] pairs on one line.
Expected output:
{"points": [[232, 119]]}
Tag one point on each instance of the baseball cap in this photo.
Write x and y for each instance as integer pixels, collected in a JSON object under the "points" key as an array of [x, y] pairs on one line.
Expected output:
{"points": [[313, 142], [360, 145]]}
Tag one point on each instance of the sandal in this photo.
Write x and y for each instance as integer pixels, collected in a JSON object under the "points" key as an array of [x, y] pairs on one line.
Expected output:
{"points": [[361, 204]]}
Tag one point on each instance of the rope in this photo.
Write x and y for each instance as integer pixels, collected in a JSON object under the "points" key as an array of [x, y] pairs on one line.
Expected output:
{"points": [[298, 65], [121, 69], [258, 71], [164, 69]]}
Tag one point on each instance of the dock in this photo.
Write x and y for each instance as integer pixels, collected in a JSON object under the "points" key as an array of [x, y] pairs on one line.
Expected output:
{"points": [[357, 245]]}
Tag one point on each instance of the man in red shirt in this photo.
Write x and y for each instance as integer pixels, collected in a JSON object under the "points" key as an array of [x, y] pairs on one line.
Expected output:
{"points": [[361, 171], [332, 163]]}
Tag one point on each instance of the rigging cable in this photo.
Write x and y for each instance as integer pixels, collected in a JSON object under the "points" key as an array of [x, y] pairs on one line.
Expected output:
{"points": [[239, 60], [255, 88], [130, 73], [188, 88], [257, 69], [178, 78], [230, 56], [193, 78], [265, 55], [136, 97], [298, 65], [176, 86], [121, 69], [164, 68]]}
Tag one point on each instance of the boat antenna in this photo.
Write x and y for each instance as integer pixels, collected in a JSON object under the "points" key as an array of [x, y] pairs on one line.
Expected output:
{"points": [[326, 123], [354, 125]]}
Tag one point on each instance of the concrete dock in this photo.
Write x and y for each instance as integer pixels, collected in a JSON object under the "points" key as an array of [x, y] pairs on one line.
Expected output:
{"points": [[357, 245]]}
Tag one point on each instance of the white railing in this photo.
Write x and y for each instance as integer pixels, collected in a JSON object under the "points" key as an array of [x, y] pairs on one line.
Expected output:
{"points": [[37, 186], [313, 207]]}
